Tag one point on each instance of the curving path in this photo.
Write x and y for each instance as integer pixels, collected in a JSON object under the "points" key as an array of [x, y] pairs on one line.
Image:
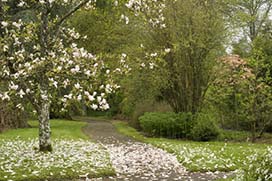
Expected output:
{"points": [[138, 161]]}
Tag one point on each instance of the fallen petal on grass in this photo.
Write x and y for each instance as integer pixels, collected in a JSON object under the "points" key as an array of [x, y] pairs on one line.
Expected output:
{"points": [[69, 159]]}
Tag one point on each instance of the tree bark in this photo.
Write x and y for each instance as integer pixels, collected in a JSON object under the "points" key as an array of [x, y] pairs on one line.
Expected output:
{"points": [[44, 128]]}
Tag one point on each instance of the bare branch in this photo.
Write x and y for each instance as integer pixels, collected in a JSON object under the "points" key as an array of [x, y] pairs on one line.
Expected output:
{"points": [[71, 12]]}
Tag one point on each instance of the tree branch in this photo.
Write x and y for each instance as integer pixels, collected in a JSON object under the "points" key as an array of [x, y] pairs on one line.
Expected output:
{"points": [[71, 12], [264, 18]]}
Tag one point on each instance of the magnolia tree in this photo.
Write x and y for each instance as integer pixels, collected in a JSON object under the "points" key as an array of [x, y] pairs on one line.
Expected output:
{"points": [[251, 94], [39, 59]]}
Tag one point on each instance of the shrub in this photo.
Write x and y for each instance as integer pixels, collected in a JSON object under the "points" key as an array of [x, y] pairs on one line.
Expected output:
{"points": [[205, 128], [11, 116], [168, 125], [140, 109], [147, 106], [232, 135]]}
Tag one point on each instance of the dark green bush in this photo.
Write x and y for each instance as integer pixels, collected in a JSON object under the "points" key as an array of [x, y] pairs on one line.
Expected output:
{"points": [[147, 106], [205, 128], [168, 125]]}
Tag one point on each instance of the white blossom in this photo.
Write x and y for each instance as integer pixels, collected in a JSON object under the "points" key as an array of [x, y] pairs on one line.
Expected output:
{"points": [[79, 97], [77, 86], [108, 88], [91, 98], [5, 48], [99, 98], [55, 83], [21, 93], [12, 86], [142, 64], [69, 96], [94, 106], [4, 24], [44, 97], [17, 25], [5, 96], [167, 50], [88, 73], [27, 90], [153, 54], [105, 106]]}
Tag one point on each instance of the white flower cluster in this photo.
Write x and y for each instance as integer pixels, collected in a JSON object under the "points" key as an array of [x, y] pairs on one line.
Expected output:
{"points": [[90, 5], [70, 157], [25, 3], [61, 66], [152, 10], [124, 66], [151, 60]]}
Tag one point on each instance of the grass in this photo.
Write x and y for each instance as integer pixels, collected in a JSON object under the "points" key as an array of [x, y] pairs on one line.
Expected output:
{"points": [[60, 129], [73, 154], [243, 136], [86, 118], [201, 156]]}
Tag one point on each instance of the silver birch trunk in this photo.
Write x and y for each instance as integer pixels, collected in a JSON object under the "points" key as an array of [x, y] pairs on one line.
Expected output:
{"points": [[44, 128]]}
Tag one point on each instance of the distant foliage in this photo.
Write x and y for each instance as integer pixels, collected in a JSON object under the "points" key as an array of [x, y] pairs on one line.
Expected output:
{"points": [[11, 117], [170, 125], [205, 128], [242, 94], [147, 106]]}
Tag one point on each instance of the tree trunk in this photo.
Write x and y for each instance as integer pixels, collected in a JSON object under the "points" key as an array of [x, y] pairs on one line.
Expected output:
{"points": [[44, 128], [253, 132]]}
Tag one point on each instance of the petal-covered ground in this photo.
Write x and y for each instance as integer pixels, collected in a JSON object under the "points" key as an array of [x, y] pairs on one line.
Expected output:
{"points": [[133, 160], [70, 158], [138, 160]]}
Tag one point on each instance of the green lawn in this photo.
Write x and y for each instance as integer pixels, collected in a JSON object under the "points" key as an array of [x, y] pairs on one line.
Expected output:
{"points": [[202, 156], [73, 154], [242, 136], [60, 129]]}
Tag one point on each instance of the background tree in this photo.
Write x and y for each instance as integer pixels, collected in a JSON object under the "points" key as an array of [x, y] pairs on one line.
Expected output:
{"points": [[194, 37], [253, 14], [244, 98], [251, 18]]}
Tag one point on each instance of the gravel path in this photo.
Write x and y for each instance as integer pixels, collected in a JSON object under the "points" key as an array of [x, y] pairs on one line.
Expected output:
{"points": [[138, 161]]}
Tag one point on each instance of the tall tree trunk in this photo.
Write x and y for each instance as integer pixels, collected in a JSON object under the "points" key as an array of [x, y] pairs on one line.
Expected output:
{"points": [[44, 128]]}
